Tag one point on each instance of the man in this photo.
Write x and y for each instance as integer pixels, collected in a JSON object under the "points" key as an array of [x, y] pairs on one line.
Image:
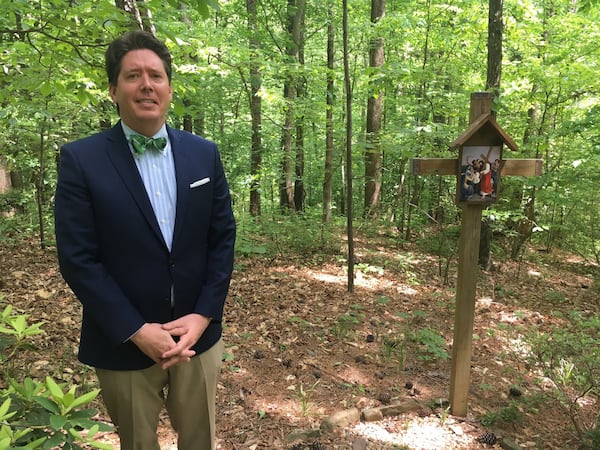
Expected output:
{"points": [[145, 240]]}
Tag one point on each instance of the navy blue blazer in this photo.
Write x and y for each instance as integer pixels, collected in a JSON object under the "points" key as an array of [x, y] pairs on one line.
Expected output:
{"points": [[113, 256]]}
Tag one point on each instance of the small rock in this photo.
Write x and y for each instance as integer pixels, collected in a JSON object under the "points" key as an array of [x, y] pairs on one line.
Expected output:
{"points": [[403, 407], [457, 430], [509, 444], [341, 419], [303, 435], [371, 415], [359, 444]]}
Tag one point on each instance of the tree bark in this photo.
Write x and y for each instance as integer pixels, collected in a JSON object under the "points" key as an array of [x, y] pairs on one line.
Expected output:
{"points": [[140, 12], [494, 72], [349, 202], [494, 57], [5, 183], [299, 190], [255, 109], [374, 115], [328, 176], [286, 184]]}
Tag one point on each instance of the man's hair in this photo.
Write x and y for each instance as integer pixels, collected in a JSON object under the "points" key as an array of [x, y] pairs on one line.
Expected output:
{"points": [[134, 40]]}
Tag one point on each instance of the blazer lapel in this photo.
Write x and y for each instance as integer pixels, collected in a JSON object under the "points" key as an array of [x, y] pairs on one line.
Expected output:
{"points": [[122, 159], [183, 166]]}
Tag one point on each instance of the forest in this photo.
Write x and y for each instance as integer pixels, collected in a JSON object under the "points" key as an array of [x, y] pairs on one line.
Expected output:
{"points": [[346, 252]]}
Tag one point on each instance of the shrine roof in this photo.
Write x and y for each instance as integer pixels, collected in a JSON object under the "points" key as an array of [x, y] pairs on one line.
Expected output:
{"points": [[484, 123]]}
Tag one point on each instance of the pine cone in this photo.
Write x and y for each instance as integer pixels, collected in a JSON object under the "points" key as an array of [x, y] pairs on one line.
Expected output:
{"points": [[316, 445], [488, 438], [514, 391], [385, 398]]}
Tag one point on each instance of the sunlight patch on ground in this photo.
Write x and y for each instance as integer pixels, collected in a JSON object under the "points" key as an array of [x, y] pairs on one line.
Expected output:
{"points": [[327, 277], [354, 375], [509, 317], [427, 433], [362, 280], [407, 290]]}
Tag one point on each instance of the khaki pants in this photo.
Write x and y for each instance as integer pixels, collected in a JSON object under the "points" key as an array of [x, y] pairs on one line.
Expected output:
{"points": [[135, 398]]}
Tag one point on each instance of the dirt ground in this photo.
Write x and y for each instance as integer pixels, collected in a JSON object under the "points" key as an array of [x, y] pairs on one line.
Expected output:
{"points": [[300, 348]]}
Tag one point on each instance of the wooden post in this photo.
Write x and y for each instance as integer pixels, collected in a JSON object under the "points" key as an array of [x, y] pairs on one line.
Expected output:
{"points": [[464, 314], [466, 285], [481, 104]]}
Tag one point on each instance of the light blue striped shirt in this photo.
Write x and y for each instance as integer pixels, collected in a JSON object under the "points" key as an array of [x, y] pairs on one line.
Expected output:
{"points": [[157, 170]]}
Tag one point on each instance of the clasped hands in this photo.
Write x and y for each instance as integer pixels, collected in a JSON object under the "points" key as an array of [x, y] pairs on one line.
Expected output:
{"points": [[157, 341]]}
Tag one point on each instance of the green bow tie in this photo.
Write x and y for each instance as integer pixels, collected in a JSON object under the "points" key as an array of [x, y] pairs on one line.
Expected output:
{"points": [[141, 143]]}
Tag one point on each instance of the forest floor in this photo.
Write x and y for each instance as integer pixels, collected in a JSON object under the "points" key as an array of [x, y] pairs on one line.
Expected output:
{"points": [[300, 347]]}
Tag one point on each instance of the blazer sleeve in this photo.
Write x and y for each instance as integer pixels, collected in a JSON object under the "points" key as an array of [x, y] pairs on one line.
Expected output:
{"points": [[78, 250]]}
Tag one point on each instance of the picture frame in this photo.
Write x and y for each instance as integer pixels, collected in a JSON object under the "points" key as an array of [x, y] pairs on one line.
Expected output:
{"points": [[478, 178]]}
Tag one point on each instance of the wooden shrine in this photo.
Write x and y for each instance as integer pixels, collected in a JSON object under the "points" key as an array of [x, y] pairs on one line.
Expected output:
{"points": [[480, 150]]}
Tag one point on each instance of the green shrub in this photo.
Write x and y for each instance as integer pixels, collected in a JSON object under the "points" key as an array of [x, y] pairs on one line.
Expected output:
{"points": [[35, 414], [568, 356], [431, 344]]}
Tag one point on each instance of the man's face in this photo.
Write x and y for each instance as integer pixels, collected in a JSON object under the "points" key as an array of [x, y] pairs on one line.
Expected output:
{"points": [[143, 91]]}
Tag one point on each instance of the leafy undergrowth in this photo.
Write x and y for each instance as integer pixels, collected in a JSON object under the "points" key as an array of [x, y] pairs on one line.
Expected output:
{"points": [[299, 347]]}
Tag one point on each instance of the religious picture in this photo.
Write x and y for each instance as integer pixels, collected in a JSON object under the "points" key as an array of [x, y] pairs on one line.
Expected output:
{"points": [[479, 176]]}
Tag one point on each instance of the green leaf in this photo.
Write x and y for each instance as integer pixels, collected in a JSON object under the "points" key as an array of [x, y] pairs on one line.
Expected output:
{"points": [[54, 389], [46, 88], [4, 414], [57, 422], [85, 398], [6, 312], [47, 404], [101, 445], [55, 441]]}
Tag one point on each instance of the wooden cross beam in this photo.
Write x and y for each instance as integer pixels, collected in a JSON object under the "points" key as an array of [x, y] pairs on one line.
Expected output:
{"points": [[449, 166], [470, 233]]}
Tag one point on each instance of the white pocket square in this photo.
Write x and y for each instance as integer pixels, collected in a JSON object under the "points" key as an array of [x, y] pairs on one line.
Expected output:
{"points": [[195, 184]]}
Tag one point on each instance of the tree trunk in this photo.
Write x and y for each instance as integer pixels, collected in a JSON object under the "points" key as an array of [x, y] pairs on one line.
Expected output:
{"points": [[286, 184], [140, 12], [255, 109], [349, 202], [299, 190], [286, 192], [188, 124], [494, 58], [39, 183], [374, 114], [5, 183], [328, 177], [494, 72], [524, 225]]}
